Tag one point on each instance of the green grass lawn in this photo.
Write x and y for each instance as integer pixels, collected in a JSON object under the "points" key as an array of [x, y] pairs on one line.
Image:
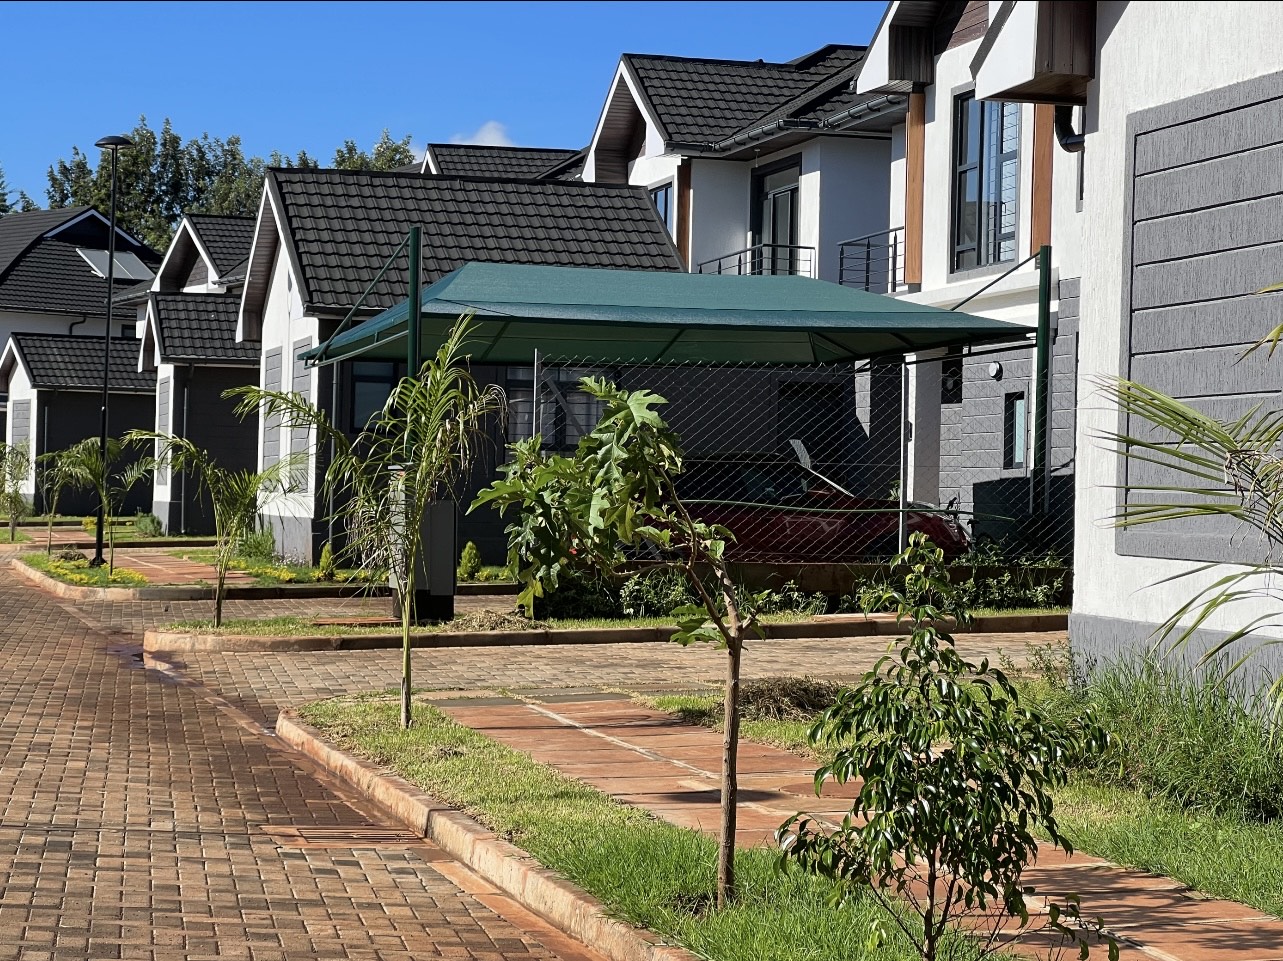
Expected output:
{"points": [[644, 871], [1222, 855], [20, 536], [271, 573]]}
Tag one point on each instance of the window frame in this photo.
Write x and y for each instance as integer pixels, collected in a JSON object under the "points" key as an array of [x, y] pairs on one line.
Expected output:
{"points": [[1015, 431], [987, 253], [397, 371], [669, 214]]}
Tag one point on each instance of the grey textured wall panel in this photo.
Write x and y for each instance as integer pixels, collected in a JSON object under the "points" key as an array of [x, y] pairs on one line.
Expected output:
{"points": [[20, 412], [1206, 187], [1226, 180], [272, 425], [1217, 135], [164, 389], [300, 437]]}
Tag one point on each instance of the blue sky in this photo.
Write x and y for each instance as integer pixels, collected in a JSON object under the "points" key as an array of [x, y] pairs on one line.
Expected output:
{"points": [[307, 75]]}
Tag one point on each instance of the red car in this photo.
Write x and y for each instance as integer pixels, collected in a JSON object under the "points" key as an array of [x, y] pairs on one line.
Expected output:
{"points": [[782, 511]]}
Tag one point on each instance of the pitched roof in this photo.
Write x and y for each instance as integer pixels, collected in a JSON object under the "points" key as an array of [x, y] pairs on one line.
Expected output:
{"points": [[697, 100], [201, 327], [52, 277], [64, 362], [342, 226], [21, 229], [227, 239], [477, 160]]}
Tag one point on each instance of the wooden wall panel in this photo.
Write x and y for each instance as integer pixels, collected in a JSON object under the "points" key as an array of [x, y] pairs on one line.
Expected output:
{"points": [[914, 178], [1043, 162]]}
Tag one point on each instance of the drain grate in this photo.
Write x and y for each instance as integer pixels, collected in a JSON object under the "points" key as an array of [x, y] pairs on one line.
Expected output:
{"points": [[341, 837]]}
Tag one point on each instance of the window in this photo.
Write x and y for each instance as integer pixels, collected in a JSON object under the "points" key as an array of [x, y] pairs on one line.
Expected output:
{"points": [[372, 383], [775, 214], [662, 197], [566, 413], [1014, 432], [951, 378], [986, 181]]}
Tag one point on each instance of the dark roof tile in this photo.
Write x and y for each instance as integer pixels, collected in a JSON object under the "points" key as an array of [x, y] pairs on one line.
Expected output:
{"points": [[63, 362], [477, 160], [201, 327], [228, 239]]}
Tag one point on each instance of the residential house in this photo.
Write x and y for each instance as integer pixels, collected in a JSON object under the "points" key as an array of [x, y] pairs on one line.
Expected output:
{"points": [[187, 321], [1181, 197], [53, 265], [978, 185], [323, 236], [55, 399]]}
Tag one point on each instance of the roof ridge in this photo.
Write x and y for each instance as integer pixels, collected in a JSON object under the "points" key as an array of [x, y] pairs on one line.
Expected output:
{"points": [[674, 58], [573, 184], [817, 89], [488, 146]]}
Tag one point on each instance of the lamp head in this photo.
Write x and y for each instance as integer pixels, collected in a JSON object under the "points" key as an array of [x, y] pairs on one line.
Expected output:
{"points": [[113, 142]]}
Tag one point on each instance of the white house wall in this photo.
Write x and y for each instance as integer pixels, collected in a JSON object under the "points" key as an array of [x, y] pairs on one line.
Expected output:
{"points": [[12, 322], [1145, 57], [719, 205], [284, 325], [168, 417]]}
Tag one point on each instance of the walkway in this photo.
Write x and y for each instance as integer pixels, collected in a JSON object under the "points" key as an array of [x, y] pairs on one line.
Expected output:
{"points": [[649, 759], [141, 819]]}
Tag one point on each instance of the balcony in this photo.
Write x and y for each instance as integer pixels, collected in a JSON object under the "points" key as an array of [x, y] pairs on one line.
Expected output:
{"points": [[874, 262], [763, 259]]}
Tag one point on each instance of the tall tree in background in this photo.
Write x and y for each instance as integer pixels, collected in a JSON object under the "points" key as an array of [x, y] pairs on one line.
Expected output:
{"points": [[163, 177], [388, 154], [21, 202]]}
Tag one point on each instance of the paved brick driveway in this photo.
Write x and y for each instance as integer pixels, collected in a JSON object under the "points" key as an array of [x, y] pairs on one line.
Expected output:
{"points": [[136, 819]]}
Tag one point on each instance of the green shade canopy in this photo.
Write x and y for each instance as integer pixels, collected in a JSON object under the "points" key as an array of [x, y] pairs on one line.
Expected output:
{"points": [[644, 316]]}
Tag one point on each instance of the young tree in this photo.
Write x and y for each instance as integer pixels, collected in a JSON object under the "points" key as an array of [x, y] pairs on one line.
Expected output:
{"points": [[409, 455], [617, 494], [388, 154], [111, 480], [15, 465], [954, 775], [53, 476], [236, 496]]}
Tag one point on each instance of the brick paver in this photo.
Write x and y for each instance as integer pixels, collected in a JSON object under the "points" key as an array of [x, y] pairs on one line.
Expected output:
{"points": [[649, 759], [136, 822]]}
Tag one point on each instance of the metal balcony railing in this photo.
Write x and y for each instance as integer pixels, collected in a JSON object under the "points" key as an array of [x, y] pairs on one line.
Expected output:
{"points": [[763, 259], [874, 262]]}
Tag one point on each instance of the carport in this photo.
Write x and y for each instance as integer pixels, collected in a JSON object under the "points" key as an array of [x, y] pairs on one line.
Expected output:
{"points": [[524, 314]]}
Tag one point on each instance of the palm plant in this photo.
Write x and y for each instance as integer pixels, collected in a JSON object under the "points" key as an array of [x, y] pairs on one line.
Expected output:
{"points": [[53, 475], [410, 454], [15, 464], [236, 496], [111, 479], [1235, 470]]}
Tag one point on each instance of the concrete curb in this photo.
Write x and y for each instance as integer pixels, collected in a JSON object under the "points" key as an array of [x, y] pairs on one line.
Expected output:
{"points": [[507, 867], [839, 627]]}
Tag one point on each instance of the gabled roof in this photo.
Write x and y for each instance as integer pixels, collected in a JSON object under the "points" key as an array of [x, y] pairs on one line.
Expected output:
{"points": [[226, 239], [476, 160], [340, 227], [699, 100], [51, 277], [21, 229], [198, 327], [64, 362]]}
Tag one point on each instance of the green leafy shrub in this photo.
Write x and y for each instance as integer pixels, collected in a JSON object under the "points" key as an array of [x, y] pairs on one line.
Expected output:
{"points": [[469, 562], [258, 546], [655, 593], [492, 573], [579, 594], [955, 774], [326, 567], [90, 524], [148, 525]]}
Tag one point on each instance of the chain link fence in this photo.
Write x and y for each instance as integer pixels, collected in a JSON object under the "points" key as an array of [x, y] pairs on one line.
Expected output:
{"points": [[837, 464]]}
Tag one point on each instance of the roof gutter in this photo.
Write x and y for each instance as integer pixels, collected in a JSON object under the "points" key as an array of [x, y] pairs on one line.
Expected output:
{"points": [[786, 125]]}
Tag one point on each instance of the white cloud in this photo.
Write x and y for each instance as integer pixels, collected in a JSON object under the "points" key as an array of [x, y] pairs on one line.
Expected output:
{"points": [[492, 133]]}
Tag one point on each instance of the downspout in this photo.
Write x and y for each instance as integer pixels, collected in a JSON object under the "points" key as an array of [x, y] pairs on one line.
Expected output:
{"points": [[1042, 373], [1065, 136], [71, 329], [182, 487]]}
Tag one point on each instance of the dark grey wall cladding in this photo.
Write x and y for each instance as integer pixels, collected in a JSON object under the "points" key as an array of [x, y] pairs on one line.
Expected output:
{"points": [[213, 426], [20, 411], [300, 383], [163, 389], [199, 273], [1205, 183], [70, 416], [272, 425]]}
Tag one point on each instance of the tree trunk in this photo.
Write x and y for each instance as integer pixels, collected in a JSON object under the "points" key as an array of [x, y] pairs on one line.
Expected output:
{"points": [[406, 601], [220, 582], [730, 781], [13, 528]]}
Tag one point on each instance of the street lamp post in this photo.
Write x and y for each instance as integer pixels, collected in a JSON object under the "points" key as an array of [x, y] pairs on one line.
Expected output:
{"points": [[112, 143]]}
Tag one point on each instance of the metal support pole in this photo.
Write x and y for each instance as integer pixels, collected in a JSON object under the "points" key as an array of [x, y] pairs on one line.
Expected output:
{"points": [[103, 520], [906, 435], [413, 345], [534, 398], [1042, 369]]}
